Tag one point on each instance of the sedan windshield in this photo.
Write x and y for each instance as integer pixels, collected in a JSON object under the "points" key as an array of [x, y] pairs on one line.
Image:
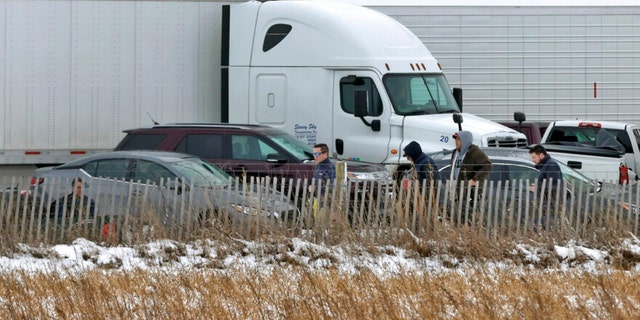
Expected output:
{"points": [[200, 173], [574, 178], [416, 94]]}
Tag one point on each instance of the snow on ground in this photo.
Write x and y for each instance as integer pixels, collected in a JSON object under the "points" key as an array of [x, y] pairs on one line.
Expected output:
{"points": [[168, 255]]}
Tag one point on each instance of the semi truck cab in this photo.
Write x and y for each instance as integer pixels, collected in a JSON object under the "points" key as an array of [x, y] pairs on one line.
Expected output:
{"points": [[344, 75]]}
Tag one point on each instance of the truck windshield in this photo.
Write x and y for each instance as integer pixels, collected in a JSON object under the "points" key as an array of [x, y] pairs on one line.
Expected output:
{"points": [[417, 94]]}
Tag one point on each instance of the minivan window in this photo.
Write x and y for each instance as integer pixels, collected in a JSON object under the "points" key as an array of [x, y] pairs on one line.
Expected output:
{"points": [[292, 145], [246, 147], [207, 146], [140, 142]]}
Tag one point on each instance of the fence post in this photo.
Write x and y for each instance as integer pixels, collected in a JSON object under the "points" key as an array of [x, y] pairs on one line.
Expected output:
{"points": [[634, 211]]}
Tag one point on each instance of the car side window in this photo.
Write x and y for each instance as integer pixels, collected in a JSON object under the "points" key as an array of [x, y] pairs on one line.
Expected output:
{"points": [[207, 146], [523, 173], [91, 168], [248, 147], [499, 172], [108, 168], [149, 171]]}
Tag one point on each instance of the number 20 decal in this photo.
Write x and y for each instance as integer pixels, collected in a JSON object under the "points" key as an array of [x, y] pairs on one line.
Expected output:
{"points": [[444, 139]]}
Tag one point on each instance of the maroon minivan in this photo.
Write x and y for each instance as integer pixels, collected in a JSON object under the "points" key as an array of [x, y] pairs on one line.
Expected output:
{"points": [[243, 149]]}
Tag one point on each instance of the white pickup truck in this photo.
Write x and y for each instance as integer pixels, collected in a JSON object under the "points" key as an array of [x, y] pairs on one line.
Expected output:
{"points": [[602, 150]]}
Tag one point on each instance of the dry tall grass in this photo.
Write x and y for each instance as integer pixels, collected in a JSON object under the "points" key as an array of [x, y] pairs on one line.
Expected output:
{"points": [[471, 286], [480, 278], [297, 293]]}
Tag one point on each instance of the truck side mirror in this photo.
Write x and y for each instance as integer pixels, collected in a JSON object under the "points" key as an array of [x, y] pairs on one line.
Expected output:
{"points": [[361, 109], [519, 117], [457, 95], [457, 118]]}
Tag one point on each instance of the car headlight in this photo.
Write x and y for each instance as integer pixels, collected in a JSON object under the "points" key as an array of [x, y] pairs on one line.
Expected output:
{"points": [[359, 176], [382, 177], [631, 208], [249, 210]]}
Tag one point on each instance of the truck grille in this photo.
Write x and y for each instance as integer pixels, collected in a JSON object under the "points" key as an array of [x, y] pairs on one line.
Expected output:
{"points": [[507, 143]]}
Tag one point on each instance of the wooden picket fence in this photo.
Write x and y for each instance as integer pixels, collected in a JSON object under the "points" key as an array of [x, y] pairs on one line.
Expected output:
{"points": [[380, 213]]}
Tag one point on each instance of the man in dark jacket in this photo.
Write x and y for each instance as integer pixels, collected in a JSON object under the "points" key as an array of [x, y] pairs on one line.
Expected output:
{"points": [[424, 170], [468, 162], [548, 167], [469, 166], [75, 204], [551, 173], [424, 166]]}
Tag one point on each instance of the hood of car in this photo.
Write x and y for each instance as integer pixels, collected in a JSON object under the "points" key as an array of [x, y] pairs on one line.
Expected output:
{"points": [[257, 201]]}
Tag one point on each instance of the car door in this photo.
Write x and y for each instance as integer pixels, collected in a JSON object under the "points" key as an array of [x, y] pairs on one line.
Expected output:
{"points": [[521, 176], [239, 154], [249, 155], [108, 185], [155, 189]]}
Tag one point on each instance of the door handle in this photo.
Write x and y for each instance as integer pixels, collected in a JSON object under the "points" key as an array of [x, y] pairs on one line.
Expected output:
{"points": [[137, 193], [240, 170]]}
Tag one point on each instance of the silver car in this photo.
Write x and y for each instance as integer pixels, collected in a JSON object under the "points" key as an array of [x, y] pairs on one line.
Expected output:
{"points": [[174, 187], [516, 167]]}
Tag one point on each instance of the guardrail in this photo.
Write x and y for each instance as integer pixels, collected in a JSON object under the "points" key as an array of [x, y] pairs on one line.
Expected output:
{"points": [[129, 212]]}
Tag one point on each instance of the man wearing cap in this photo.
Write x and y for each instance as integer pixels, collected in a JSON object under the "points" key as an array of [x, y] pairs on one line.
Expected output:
{"points": [[425, 167], [469, 164]]}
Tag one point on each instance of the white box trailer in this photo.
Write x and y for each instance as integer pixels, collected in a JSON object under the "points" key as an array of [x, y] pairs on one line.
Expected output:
{"points": [[76, 73], [553, 60]]}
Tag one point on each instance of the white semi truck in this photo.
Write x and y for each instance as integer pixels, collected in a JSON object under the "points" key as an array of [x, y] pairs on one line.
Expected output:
{"points": [[76, 73]]}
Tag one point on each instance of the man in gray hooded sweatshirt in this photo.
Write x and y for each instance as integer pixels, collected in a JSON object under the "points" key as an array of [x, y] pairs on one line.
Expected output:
{"points": [[469, 164]]}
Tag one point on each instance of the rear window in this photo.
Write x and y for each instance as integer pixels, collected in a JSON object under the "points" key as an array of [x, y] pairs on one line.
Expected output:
{"points": [[140, 142], [587, 136]]}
